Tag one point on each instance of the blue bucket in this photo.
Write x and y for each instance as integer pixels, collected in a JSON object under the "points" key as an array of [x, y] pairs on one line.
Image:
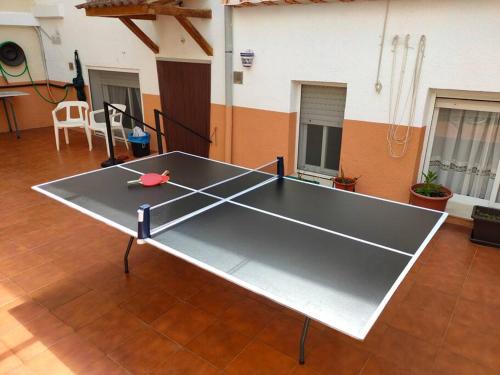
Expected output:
{"points": [[140, 145]]}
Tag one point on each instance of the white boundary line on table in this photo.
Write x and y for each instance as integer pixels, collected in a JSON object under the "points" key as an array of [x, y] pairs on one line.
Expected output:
{"points": [[214, 160], [360, 335], [201, 210], [322, 186], [229, 200], [369, 324], [238, 166], [81, 209], [212, 185], [362, 195], [321, 228], [149, 157], [303, 310], [120, 166], [103, 169]]}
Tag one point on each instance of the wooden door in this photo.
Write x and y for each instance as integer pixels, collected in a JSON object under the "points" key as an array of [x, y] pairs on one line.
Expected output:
{"points": [[185, 97]]}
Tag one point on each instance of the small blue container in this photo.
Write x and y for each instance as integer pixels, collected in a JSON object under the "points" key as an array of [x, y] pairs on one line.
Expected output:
{"points": [[140, 145]]}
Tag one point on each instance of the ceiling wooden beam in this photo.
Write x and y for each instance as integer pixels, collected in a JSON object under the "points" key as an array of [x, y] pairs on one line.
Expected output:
{"points": [[148, 17], [140, 34], [145, 10], [195, 34], [169, 10], [119, 11], [165, 2]]}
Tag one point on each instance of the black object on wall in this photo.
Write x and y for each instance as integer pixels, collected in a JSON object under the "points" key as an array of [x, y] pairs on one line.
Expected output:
{"points": [[78, 82], [11, 54]]}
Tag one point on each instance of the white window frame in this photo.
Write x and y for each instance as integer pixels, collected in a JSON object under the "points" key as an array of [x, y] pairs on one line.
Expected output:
{"points": [[118, 70], [298, 148], [460, 205]]}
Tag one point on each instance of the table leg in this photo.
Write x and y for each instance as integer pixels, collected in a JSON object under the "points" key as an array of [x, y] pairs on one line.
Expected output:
{"points": [[7, 114], [125, 257], [305, 328], [13, 111]]}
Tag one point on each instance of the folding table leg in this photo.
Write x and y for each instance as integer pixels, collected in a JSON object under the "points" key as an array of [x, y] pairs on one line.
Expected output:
{"points": [[6, 114], [13, 111], [125, 258], [305, 328]]}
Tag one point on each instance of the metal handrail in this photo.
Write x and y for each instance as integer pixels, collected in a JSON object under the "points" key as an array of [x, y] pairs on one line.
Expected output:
{"points": [[157, 129], [131, 117], [167, 117]]}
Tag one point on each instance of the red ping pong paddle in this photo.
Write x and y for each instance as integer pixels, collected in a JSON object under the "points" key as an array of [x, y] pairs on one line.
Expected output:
{"points": [[151, 179]]}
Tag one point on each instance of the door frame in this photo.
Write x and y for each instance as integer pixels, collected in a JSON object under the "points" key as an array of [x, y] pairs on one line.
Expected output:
{"points": [[192, 61]]}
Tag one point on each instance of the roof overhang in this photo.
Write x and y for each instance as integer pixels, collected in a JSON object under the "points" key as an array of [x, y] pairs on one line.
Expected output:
{"points": [[252, 3], [18, 19], [128, 10]]}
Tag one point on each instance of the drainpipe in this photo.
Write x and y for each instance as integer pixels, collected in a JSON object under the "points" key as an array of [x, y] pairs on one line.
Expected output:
{"points": [[228, 35]]}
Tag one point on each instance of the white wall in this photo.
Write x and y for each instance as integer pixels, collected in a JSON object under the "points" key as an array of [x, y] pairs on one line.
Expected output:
{"points": [[16, 5], [175, 42], [339, 42], [101, 42], [26, 37], [107, 43], [336, 42]]}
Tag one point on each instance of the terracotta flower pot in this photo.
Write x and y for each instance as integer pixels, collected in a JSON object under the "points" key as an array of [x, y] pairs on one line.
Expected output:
{"points": [[434, 203], [344, 186]]}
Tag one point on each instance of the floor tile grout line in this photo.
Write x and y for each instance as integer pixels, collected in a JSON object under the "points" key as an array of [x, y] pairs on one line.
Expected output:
{"points": [[389, 359], [219, 320], [366, 363], [253, 339], [181, 346], [239, 354], [117, 363], [460, 295], [443, 338]]}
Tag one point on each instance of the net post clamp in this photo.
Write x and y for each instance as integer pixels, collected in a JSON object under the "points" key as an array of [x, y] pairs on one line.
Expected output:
{"points": [[143, 224], [280, 167]]}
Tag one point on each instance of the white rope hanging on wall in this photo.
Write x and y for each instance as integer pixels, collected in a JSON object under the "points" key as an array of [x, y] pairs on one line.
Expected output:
{"points": [[378, 84], [394, 139]]}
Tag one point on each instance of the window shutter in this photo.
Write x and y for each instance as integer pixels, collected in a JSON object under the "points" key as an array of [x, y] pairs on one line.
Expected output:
{"points": [[322, 105]]}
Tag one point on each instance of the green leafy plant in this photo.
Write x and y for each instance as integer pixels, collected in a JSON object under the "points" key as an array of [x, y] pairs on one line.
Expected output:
{"points": [[342, 179], [429, 187]]}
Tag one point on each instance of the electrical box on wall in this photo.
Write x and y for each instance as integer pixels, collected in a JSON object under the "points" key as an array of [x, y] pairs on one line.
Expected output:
{"points": [[49, 10], [238, 78]]}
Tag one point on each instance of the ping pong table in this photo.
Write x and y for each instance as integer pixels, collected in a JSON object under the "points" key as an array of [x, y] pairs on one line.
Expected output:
{"points": [[334, 256]]}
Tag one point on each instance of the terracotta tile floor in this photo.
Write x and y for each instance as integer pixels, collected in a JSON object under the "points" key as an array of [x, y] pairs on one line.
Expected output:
{"points": [[67, 308]]}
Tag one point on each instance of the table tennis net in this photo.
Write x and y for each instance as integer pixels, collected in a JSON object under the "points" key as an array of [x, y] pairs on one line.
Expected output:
{"points": [[174, 211]]}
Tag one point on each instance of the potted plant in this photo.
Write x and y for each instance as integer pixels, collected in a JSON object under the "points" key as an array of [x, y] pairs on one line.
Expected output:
{"points": [[345, 183], [486, 229], [429, 194]]}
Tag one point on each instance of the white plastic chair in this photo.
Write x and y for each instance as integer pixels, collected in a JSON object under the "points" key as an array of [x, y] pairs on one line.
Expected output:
{"points": [[81, 121], [116, 119]]}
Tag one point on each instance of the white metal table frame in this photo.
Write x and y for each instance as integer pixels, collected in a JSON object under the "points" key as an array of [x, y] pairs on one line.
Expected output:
{"points": [[5, 97], [145, 234]]}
